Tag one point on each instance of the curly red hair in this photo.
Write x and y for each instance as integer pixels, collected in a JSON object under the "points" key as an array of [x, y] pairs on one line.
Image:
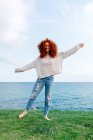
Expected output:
{"points": [[42, 49]]}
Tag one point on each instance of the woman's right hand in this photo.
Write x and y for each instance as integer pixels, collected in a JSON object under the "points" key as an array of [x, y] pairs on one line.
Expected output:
{"points": [[18, 70]]}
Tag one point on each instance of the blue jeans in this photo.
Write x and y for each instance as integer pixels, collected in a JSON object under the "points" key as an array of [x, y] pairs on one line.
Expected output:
{"points": [[40, 83]]}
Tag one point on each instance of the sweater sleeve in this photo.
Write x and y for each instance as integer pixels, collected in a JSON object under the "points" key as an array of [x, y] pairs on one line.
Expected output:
{"points": [[70, 52], [27, 67]]}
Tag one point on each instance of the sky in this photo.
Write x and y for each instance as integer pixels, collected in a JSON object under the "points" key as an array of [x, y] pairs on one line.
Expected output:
{"points": [[24, 23]]}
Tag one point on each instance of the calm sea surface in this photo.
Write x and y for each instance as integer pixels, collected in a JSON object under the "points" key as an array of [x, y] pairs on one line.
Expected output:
{"points": [[65, 96]]}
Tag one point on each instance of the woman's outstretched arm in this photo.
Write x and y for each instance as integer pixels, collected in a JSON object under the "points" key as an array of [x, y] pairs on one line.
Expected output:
{"points": [[26, 67], [71, 51]]}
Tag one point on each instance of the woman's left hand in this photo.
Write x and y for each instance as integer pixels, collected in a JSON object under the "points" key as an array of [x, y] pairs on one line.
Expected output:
{"points": [[81, 45]]}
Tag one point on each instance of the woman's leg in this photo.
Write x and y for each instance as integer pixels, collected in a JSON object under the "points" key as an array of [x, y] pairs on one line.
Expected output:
{"points": [[36, 90], [48, 91]]}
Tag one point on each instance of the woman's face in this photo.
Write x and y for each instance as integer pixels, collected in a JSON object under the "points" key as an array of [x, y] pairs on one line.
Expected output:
{"points": [[47, 47]]}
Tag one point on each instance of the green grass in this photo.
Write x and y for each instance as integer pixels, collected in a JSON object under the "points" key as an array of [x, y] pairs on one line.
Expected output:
{"points": [[64, 125]]}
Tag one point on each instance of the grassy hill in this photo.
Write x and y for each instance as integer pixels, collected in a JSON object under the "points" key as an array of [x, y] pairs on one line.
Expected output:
{"points": [[64, 125]]}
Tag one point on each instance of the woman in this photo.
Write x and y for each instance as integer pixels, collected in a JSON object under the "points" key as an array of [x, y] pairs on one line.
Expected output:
{"points": [[48, 64]]}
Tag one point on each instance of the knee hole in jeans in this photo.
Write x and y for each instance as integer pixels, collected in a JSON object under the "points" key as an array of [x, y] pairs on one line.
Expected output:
{"points": [[37, 87], [33, 96], [49, 97]]}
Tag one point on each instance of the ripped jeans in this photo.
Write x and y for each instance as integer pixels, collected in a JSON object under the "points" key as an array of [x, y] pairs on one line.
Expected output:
{"points": [[40, 83]]}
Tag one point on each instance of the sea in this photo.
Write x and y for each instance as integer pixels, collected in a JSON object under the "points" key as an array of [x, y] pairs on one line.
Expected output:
{"points": [[65, 96]]}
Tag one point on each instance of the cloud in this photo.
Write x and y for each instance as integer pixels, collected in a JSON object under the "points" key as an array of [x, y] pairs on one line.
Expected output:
{"points": [[14, 21], [13, 61], [77, 17], [88, 8], [7, 60], [79, 68]]}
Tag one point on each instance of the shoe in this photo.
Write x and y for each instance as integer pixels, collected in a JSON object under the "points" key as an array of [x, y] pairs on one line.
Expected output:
{"points": [[46, 118], [23, 114], [33, 108]]}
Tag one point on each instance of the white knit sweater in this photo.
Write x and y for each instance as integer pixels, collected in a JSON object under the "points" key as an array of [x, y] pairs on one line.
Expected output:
{"points": [[48, 66]]}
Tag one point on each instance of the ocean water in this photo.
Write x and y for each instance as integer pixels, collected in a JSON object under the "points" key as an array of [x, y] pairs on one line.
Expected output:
{"points": [[65, 96]]}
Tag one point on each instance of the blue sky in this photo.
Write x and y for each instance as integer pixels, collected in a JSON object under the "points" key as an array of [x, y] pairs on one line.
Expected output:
{"points": [[24, 23]]}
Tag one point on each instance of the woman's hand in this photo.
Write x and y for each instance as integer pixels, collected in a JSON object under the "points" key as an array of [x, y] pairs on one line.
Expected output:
{"points": [[81, 45], [17, 70]]}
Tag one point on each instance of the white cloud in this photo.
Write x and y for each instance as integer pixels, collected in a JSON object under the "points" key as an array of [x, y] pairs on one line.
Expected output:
{"points": [[7, 60], [78, 68], [12, 61], [88, 8], [77, 18], [14, 21]]}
